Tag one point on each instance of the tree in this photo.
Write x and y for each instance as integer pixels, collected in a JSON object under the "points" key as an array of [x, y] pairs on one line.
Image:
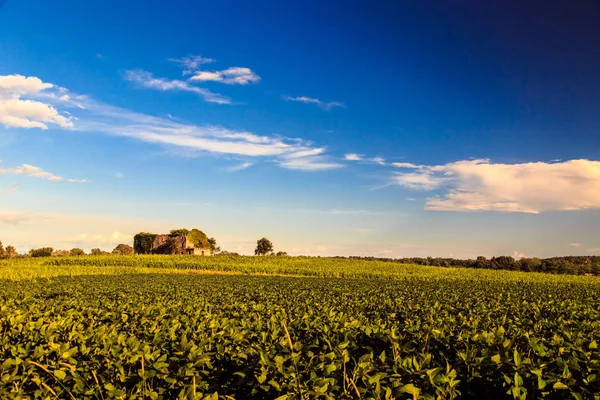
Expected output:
{"points": [[281, 254], [143, 242], [123, 249], [77, 252], [11, 251], [41, 252], [481, 262], [263, 247], [97, 252], [179, 232], [2, 251], [198, 239], [212, 242], [60, 253]]}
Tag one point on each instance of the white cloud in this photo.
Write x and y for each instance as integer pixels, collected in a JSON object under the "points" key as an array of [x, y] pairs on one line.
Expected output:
{"points": [[311, 100], [16, 110], [417, 181], [104, 241], [240, 167], [308, 164], [13, 189], [353, 157], [230, 76], [363, 160], [145, 79], [37, 172], [191, 63], [291, 153], [15, 218], [97, 117], [574, 244], [406, 165], [518, 255], [411, 199], [336, 211], [534, 187]]}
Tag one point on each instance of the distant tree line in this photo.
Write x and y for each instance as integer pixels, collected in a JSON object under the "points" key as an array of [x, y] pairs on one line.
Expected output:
{"points": [[11, 252], [574, 265]]}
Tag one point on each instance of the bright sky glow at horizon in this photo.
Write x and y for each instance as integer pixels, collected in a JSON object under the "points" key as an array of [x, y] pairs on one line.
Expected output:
{"points": [[386, 129]]}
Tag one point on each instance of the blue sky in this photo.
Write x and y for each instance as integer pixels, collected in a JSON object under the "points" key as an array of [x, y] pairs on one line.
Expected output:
{"points": [[333, 128]]}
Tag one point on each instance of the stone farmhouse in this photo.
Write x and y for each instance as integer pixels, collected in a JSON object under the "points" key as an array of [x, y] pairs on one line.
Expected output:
{"points": [[179, 245]]}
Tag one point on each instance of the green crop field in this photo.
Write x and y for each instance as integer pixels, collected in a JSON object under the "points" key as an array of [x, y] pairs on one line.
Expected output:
{"points": [[292, 328]]}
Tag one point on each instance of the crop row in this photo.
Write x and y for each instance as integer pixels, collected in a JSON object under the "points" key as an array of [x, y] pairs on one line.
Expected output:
{"points": [[210, 336]]}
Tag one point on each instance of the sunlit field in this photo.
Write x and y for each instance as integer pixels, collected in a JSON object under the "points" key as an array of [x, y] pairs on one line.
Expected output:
{"points": [[290, 328]]}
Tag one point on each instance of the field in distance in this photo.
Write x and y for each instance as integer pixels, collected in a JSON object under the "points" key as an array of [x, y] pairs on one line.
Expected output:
{"points": [[291, 328]]}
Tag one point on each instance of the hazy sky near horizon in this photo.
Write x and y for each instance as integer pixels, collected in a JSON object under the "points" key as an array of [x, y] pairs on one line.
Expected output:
{"points": [[393, 129]]}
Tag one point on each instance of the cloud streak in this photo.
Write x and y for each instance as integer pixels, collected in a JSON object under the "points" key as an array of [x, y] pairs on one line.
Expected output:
{"points": [[16, 218], [191, 64], [146, 80], [13, 189], [289, 153], [229, 76], [240, 167], [480, 185], [37, 172], [311, 100]]}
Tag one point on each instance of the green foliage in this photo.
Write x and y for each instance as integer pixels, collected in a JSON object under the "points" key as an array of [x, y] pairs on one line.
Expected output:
{"points": [[98, 252], [143, 242], [396, 332], [214, 248], [123, 249], [41, 252], [11, 251], [198, 239], [572, 265], [179, 232], [263, 247], [77, 252]]}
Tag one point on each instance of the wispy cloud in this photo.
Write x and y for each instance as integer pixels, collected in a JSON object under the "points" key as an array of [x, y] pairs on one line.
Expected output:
{"points": [[308, 164], [145, 79], [229, 76], [406, 165], [100, 240], [311, 100], [336, 211], [290, 153], [15, 218], [191, 64], [480, 185], [353, 157], [13, 189], [37, 172], [17, 109], [574, 244], [364, 160], [240, 167]]}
